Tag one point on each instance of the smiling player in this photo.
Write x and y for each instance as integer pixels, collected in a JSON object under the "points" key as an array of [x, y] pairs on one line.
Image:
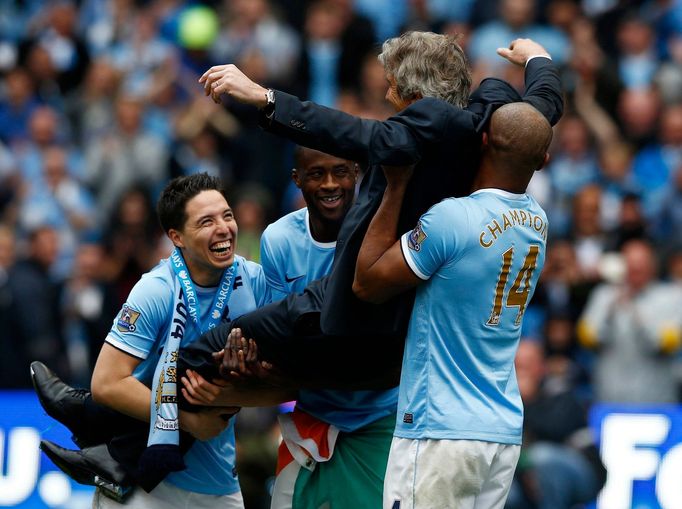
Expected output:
{"points": [[202, 284], [299, 247]]}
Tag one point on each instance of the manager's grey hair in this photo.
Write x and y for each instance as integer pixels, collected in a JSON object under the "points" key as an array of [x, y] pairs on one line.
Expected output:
{"points": [[428, 64]]}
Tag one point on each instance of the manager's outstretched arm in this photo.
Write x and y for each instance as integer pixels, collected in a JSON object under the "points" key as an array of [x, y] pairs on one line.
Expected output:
{"points": [[402, 139]]}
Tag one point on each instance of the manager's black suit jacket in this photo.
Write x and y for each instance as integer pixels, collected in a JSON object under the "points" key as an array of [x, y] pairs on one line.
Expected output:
{"points": [[444, 143]]}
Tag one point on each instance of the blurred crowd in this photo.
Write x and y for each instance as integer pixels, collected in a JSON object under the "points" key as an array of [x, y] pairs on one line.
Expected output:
{"points": [[100, 106]]}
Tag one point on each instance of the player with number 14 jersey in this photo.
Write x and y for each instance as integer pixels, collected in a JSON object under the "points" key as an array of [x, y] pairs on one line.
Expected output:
{"points": [[485, 251]]}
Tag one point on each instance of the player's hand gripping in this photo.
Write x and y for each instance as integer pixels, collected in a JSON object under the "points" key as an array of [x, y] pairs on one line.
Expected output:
{"points": [[228, 79], [398, 176], [199, 391], [207, 423], [520, 50], [239, 358]]}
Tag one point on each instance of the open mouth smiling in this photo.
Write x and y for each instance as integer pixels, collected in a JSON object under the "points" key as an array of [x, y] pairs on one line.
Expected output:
{"points": [[221, 247], [331, 200]]}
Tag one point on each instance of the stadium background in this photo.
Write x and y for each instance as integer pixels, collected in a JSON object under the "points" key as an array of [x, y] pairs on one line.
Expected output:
{"points": [[100, 106]]}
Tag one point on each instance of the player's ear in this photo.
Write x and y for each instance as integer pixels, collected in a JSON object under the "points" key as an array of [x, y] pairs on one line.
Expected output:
{"points": [[484, 140], [175, 237], [296, 178], [545, 161]]}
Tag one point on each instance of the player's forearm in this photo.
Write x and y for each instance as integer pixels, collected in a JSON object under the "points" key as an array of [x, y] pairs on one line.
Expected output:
{"points": [[128, 396], [251, 395], [370, 274], [113, 384]]}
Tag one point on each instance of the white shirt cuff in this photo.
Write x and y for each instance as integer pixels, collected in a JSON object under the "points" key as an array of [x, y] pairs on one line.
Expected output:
{"points": [[537, 56]]}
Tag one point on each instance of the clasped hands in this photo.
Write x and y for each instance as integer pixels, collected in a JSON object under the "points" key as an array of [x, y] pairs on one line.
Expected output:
{"points": [[240, 369]]}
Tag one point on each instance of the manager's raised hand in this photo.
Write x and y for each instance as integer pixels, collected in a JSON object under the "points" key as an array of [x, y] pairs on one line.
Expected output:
{"points": [[228, 79], [521, 50]]}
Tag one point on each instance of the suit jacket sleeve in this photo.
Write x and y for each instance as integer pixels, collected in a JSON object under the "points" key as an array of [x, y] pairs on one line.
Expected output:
{"points": [[543, 89], [395, 141], [401, 139]]}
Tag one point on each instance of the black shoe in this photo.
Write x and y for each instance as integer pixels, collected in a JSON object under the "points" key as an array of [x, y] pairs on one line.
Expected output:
{"points": [[61, 401], [92, 466]]}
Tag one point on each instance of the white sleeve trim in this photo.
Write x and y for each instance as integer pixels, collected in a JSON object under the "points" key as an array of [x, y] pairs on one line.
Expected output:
{"points": [[115, 342], [409, 260], [537, 56]]}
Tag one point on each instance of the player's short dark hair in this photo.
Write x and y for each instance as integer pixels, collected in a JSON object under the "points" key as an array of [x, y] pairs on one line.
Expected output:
{"points": [[170, 208], [519, 137]]}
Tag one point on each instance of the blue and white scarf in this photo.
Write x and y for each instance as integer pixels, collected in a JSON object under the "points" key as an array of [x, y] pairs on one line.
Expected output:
{"points": [[162, 454]]}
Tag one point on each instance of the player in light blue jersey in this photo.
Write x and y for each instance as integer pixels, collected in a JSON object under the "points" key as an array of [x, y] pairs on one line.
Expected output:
{"points": [[297, 249], [203, 283], [476, 261]]}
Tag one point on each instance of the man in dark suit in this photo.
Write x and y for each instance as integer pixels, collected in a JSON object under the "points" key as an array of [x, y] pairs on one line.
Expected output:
{"points": [[438, 129]]}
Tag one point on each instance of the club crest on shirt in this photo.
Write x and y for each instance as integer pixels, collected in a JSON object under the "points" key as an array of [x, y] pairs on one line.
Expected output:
{"points": [[127, 318], [159, 391], [416, 237]]}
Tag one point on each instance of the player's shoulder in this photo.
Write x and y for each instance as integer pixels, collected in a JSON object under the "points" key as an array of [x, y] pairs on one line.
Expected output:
{"points": [[537, 208], [486, 197], [253, 275], [445, 220], [287, 227], [153, 293], [449, 209], [251, 271], [157, 283], [248, 267]]}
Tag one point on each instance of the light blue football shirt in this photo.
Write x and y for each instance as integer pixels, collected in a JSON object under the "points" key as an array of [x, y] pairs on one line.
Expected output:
{"points": [[480, 257], [141, 330], [291, 258]]}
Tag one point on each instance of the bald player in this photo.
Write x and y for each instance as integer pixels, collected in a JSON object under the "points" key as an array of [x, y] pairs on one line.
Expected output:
{"points": [[476, 261]]}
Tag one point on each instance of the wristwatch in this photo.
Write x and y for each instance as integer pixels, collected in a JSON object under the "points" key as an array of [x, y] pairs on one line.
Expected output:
{"points": [[269, 108]]}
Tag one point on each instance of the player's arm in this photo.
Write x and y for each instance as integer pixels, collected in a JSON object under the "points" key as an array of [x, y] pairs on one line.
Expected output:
{"points": [[127, 344], [237, 392], [114, 385], [381, 270], [130, 339]]}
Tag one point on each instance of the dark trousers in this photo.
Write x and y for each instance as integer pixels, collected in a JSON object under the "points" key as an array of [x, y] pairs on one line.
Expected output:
{"points": [[288, 334]]}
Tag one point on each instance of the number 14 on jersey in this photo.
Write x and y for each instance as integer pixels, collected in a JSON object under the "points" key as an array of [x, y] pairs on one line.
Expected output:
{"points": [[520, 289]]}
